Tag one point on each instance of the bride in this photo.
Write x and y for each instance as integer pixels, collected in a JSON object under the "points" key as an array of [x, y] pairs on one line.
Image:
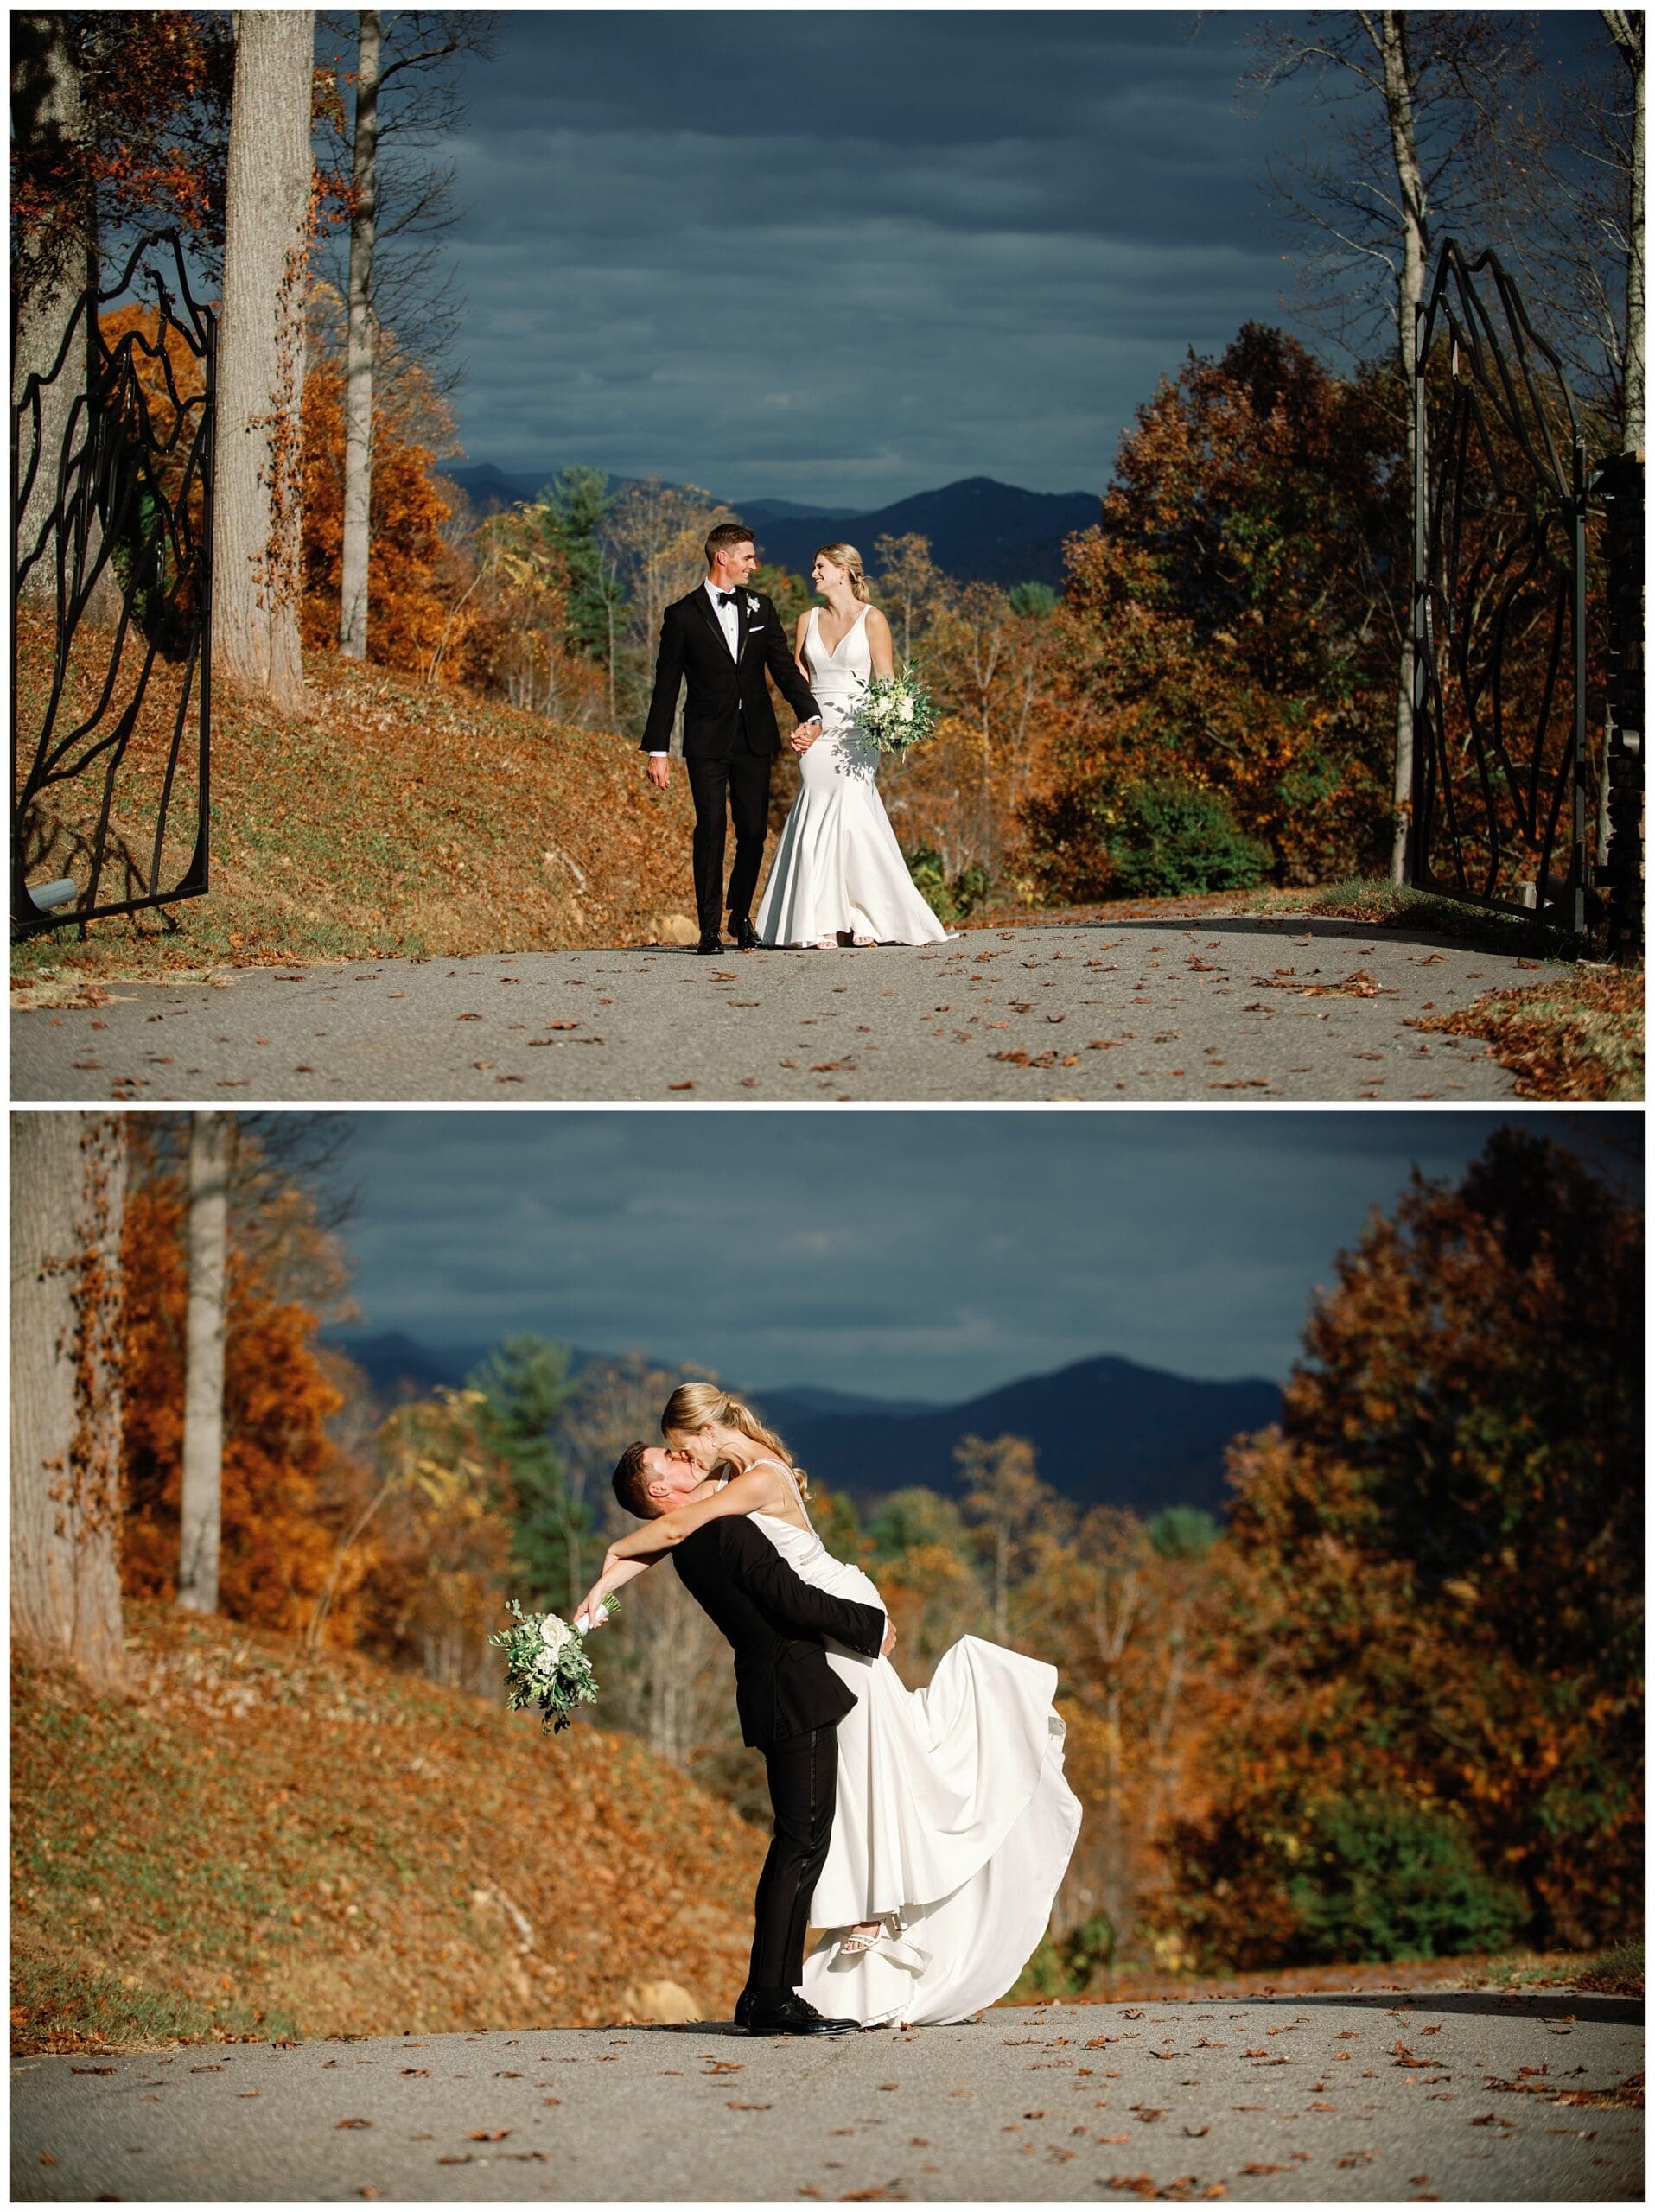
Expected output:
{"points": [[954, 1822], [839, 875]]}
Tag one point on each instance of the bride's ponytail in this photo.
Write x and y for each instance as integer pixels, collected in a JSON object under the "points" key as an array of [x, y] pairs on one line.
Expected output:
{"points": [[696, 1406]]}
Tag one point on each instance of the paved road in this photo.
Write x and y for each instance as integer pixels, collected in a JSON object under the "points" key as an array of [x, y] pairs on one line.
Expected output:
{"points": [[1243, 1008], [1427, 2096]]}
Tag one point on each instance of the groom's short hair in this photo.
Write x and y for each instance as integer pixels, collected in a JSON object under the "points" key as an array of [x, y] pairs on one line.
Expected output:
{"points": [[724, 537], [631, 1488]]}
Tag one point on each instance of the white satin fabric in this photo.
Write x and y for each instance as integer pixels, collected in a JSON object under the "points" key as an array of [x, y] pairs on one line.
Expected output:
{"points": [[954, 1821], [839, 865]]}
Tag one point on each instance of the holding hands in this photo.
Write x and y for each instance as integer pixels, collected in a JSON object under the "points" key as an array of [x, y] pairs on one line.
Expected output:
{"points": [[807, 734]]}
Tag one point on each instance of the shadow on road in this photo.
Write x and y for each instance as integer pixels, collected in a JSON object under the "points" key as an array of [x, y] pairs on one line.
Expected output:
{"points": [[1333, 928], [1496, 2004]]}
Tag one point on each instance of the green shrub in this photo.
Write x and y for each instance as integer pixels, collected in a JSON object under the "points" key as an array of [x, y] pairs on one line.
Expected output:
{"points": [[949, 898], [1379, 1879], [1066, 1965], [1174, 838], [1183, 1532]]}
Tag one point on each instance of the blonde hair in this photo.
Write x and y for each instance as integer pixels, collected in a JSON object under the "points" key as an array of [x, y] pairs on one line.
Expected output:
{"points": [[846, 556], [695, 1406]]}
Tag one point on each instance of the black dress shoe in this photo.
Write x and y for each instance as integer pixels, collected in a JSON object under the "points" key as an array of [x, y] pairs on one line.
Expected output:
{"points": [[747, 937], [790, 2016], [710, 942]]}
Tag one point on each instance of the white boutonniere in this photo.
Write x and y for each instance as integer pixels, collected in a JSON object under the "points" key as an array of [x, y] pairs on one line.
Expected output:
{"points": [[752, 603]]}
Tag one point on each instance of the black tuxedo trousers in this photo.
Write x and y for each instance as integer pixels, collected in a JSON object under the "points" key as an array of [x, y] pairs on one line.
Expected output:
{"points": [[739, 784], [803, 1772], [790, 1703]]}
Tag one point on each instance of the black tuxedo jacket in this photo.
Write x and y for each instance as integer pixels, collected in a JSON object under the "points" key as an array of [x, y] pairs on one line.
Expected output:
{"points": [[774, 1623], [727, 708]]}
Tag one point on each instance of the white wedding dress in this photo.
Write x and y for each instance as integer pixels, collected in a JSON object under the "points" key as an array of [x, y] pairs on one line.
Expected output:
{"points": [[839, 865], [953, 1823]]}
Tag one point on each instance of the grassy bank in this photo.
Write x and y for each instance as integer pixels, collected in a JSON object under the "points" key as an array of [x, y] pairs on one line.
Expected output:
{"points": [[1617, 1972], [395, 818], [258, 1842]]}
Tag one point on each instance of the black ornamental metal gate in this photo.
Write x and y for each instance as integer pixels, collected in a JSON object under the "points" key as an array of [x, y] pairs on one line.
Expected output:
{"points": [[112, 522], [1506, 659]]}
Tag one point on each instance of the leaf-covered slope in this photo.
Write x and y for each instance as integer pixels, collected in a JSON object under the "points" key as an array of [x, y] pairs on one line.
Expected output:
{"points": [[265, 1841], [399, 818]]}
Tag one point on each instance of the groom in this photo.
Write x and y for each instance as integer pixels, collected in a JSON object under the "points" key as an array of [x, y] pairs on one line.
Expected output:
{"points": [[790, 1703], [723, 638]]}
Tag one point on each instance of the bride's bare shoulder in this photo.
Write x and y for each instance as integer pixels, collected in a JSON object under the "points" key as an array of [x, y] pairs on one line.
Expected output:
{"points": [[784, 1491]]}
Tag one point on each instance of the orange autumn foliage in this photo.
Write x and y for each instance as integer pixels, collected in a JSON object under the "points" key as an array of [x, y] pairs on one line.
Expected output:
{"points": [[409, 587], [1424, 1648], [277, 1542], [1232, 626]]}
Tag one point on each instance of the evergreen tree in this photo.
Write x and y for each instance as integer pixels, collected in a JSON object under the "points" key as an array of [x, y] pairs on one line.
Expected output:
{"points": [[525, 1385], [575, 505]]}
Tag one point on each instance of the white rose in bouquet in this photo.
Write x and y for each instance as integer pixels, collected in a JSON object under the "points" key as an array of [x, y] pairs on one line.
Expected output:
{"points": [[546, 1665]]}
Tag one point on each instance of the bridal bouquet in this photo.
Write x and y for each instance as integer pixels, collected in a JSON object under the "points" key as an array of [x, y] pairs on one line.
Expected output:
{"points": [[546, 1664], [896, 710]]}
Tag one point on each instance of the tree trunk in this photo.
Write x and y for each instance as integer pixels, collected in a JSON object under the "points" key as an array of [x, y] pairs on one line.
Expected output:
{"points": [[1390, 35], [1626, 29], [261, 358], [67, 1188], [52, 268], [359, 346], [210, 1138]]}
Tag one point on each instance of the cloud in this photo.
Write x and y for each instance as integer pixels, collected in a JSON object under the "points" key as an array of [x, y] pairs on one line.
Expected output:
{"points": [[930, 1255], [848, 258]]}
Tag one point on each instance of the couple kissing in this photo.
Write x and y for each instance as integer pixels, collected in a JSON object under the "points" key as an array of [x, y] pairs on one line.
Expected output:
{"points": [[924, 1832]]}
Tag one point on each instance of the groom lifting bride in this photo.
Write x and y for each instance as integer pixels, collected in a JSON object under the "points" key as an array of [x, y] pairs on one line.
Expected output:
{"points": [[722, 639]]}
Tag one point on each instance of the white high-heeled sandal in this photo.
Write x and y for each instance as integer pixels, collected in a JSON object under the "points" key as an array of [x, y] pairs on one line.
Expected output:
{"points": [[861, 1937]]}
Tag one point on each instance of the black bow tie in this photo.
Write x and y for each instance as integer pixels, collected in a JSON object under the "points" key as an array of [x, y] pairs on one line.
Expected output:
{"points": [[728, 598]]}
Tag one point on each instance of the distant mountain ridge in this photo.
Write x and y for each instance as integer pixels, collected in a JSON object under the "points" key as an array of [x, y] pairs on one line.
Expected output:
{"points": [[1108, 1432], [980, 531]]}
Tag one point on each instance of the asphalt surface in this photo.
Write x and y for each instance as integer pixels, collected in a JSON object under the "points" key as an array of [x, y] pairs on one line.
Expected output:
{"points": [[1242, 1007], [1428, 2096]]}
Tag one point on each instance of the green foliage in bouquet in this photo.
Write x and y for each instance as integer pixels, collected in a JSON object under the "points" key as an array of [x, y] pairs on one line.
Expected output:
{"points": [[546, 1665], [896, 710]]}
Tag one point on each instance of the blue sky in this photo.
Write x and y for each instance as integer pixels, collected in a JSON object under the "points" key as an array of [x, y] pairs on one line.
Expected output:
{"points": [[842, 256], [932, 1255]]}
